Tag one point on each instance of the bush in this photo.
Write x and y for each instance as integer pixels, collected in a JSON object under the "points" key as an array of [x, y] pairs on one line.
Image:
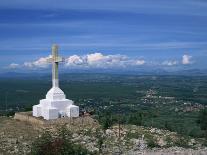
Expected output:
{"points": [[135, 119], [151, 141], [135, 135], [10, 113], [169, 141], [196, 132], [202, 119], [58, 145], [182, 142], [168, 126]]}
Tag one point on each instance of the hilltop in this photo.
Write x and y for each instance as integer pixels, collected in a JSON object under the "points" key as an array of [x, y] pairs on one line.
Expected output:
{"points": [[16, 137]]}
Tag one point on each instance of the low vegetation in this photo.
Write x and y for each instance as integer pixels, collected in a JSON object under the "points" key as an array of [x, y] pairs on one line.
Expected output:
{"points": [[59, 144]]}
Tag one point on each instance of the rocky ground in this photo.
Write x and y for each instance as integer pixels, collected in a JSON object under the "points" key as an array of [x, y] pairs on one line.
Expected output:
{"points": [[16, 138]]}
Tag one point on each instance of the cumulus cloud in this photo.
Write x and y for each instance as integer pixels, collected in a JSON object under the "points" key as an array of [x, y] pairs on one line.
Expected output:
{"points": [[74, 60], [95, 57], [170, 62], [93, 60], [186, 59], [40, 63], [140, 62], [98, 60]]}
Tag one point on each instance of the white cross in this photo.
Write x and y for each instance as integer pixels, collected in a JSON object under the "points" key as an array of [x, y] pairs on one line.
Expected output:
{"points": [[55, 61]]}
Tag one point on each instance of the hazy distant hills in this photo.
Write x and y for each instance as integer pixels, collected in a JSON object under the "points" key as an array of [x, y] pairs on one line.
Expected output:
{"points": [[37, 74]]}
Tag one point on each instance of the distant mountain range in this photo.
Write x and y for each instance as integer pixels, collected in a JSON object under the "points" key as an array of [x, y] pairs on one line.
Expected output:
{"points": [[190, 72]]}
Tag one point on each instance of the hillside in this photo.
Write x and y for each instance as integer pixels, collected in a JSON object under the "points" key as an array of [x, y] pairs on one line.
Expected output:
{"points": [[16, 138]]}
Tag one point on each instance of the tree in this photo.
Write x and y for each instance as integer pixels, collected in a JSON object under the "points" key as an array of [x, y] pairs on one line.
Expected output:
{"points": [[106, 122], [136, 119], [168, 126], [105, 119], [202, 119]]}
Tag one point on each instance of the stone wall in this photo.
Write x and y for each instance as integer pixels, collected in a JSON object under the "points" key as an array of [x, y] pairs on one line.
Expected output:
{"points": [[78, 122], [27, 117]]}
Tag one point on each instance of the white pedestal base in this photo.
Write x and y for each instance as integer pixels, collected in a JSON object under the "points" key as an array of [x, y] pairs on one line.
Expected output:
{"points": [[55, 106]]}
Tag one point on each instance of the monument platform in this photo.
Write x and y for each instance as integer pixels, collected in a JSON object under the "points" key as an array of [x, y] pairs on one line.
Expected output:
{"points": [[40, 121]]}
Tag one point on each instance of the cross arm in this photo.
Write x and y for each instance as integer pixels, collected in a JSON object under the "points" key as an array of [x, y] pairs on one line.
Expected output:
{"points": [[56, 59]]}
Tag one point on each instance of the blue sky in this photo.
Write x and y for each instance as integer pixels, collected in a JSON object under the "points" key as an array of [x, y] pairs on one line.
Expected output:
{"points": [[135, 33]]}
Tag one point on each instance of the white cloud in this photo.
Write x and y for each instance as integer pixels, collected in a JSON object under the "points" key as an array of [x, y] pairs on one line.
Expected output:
{"points": [[40, 63], [74, 60], [93, 60], [99, 60], [95, 57], [186, 59], [170, 63], [13, 66], [140, 62]]}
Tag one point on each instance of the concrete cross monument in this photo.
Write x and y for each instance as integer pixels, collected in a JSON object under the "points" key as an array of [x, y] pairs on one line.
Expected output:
{"points": [[55, 105]]}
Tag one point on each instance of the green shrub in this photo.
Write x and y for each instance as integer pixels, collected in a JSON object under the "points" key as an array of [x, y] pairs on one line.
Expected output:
{"points": [[58, 145], [151, 141], [182, 142], [10, 113], [135, 135]]}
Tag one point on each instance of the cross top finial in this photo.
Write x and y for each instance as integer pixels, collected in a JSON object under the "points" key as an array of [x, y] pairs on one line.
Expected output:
{"points": [[55, 50], [55, 46]]}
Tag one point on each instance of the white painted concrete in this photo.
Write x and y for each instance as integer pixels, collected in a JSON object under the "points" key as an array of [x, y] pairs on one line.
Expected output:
{"points": [[55, 105]]}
